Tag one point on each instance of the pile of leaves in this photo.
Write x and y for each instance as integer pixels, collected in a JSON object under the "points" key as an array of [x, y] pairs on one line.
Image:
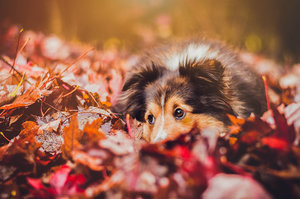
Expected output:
{"points": [[60, 139]]}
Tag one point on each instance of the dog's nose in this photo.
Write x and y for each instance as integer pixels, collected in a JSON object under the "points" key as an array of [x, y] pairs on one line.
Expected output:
{"points": [[160, 136]]}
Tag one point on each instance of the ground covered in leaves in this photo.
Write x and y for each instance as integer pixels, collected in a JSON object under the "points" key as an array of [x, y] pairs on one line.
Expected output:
{"points": [[59, 138]]}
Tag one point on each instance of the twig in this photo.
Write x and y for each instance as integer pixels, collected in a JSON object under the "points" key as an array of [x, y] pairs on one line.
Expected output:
{"points": [[6, 62], [76, 60], [17, 49], [72, 91], [2, 58], [49, 80], [52, 106], [4, 136], [23, 46]]}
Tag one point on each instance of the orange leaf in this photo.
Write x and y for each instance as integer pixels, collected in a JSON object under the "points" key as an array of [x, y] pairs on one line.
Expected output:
{"points": [[92, 130], [30, 128], [72, 135], [236, 121], [235, 128], [25, 142], [232, 140]]}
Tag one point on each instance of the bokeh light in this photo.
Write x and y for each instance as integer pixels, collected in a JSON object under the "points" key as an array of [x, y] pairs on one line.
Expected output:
{"points": [[270, 27]]}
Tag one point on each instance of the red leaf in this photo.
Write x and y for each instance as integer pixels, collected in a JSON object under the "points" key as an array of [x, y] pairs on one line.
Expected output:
{"points": [[285, 131], [61, 184], [59, 178], [35, 183], [191, 166], [275, 143], [73, 183], [183, 152], [77, 179]]}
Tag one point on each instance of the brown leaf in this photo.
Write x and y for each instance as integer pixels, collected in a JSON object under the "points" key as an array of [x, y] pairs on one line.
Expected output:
{"points": [[20, 154], [30, 129], [50, 142], [71, 135], [118, 124], [26, 140], [251, 136], [5, 91], [253, 129], [28, 98]]}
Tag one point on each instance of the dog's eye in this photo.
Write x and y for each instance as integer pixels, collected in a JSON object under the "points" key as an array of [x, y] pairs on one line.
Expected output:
{"points": [[151, 119], [179, 114]]}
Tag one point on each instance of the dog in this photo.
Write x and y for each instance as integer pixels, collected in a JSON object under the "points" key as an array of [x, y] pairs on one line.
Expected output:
{"points": [[187, 85]]}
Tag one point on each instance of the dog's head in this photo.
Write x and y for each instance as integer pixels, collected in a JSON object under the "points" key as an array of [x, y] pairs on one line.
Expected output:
{"points": [[174, 102]]}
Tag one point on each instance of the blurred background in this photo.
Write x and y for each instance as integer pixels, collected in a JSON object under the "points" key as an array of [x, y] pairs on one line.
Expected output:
{"points": [[268, 27]]}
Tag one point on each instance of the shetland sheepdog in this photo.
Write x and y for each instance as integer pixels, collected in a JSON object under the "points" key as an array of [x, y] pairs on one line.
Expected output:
{"points": [[193, 84]]}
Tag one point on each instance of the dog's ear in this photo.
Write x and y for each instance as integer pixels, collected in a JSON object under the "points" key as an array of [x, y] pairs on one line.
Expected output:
{"points": [[207, 79], [210, 71], [132, 99], [142, 76]]}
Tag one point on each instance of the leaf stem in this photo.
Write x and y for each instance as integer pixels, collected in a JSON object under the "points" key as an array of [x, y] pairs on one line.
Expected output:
{"points": [[128, 125], [266, 91]]}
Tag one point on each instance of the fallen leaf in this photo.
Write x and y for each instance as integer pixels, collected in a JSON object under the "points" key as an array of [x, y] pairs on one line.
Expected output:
{"points": [[28, 98], [72, 136], [235, 187]]}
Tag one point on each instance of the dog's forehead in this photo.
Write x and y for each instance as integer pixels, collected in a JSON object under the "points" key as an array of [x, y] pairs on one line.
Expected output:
{"points": [[155, 93], [160, 91]]}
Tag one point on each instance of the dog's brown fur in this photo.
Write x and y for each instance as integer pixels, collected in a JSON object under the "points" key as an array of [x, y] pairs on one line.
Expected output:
{"points": [[202, 80]]}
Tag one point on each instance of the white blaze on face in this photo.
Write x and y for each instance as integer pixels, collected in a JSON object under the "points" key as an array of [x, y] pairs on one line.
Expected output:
{"points": [[161, 132]]}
